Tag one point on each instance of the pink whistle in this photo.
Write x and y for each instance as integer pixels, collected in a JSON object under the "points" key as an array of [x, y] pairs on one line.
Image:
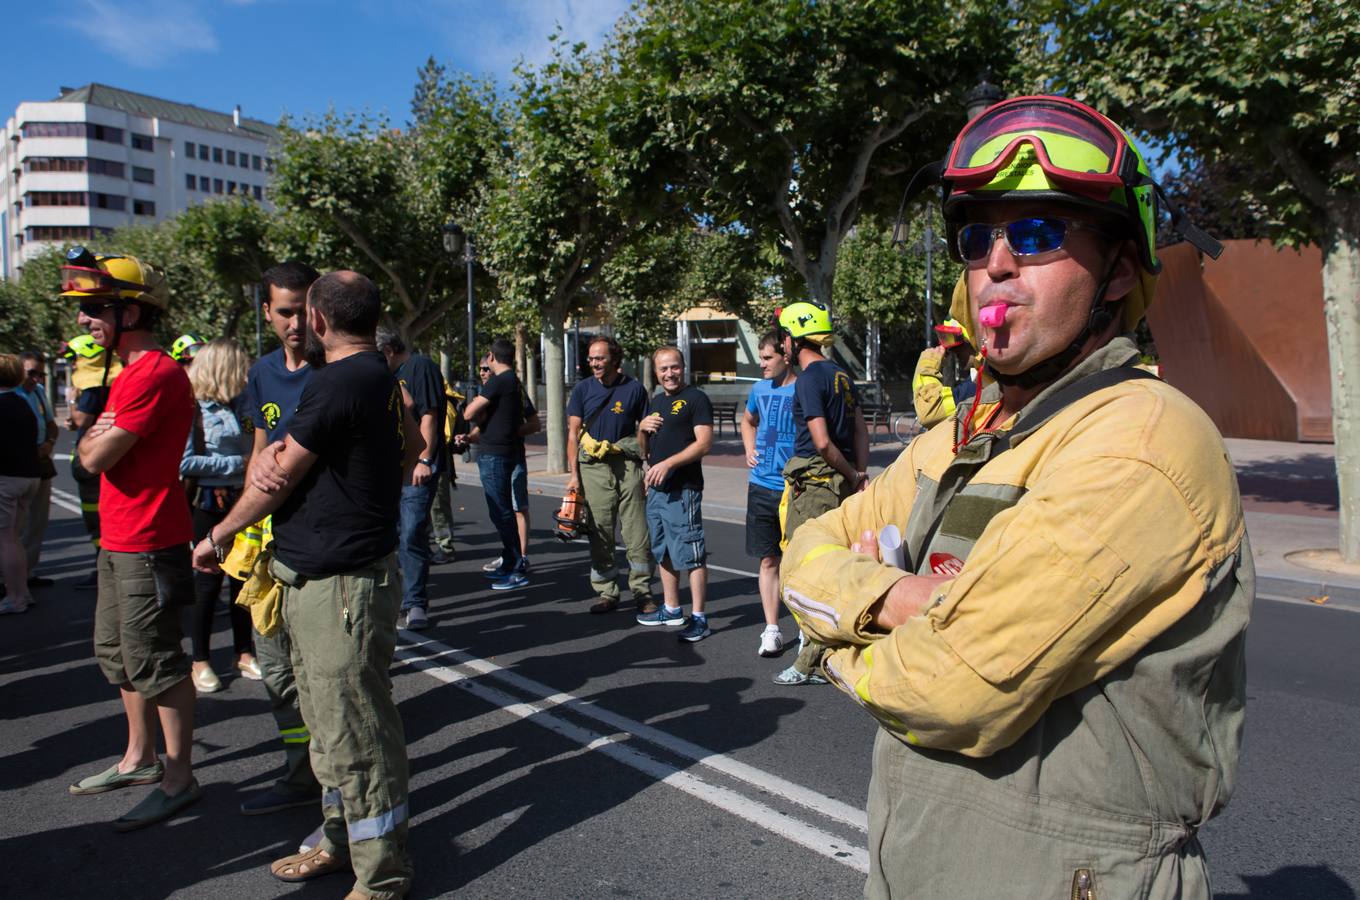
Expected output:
{"points": [[993, 316]]}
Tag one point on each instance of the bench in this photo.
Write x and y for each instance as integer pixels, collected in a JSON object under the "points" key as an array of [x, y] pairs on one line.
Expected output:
{"points": [[725, 412]]}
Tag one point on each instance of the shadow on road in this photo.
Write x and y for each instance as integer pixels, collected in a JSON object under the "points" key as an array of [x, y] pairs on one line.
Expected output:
{"points": [[1293, 882]]}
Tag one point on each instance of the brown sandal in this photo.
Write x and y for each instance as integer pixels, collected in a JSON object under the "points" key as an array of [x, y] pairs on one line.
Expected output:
{"points": [[305, 866]]}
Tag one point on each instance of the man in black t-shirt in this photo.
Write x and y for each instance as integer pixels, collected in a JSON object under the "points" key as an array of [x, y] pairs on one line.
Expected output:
{"points": [[422, 387], [499, 412], [676, 434], [334, 492]]}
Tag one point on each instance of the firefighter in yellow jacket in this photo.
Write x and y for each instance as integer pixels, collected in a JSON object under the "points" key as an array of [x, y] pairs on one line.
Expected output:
{"points": [[941, 381], [1059, 672]]}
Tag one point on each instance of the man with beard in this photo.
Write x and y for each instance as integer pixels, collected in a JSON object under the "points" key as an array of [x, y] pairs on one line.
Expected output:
{"points": [[335, 503]]}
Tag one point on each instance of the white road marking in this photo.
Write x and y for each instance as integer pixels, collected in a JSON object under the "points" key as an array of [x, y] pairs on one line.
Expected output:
{"points": [[799, 832], [66, 501]]}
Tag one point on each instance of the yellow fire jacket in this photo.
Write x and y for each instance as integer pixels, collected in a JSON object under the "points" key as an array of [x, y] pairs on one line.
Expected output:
{"points": [[1101, 531], [1070, 706]]}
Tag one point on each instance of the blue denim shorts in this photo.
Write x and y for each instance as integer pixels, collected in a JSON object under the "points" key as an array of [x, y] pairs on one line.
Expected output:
{"points": [[676, 523]]}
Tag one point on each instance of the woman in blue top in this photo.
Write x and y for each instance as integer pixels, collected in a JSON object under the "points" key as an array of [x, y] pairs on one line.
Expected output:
{"points": [[215, 458]]}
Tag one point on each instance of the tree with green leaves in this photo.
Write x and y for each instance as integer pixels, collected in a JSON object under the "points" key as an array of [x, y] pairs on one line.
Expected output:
{"points": [[583, 178], [1273, 88], [232, 237], [792, 118], [363, 195]]}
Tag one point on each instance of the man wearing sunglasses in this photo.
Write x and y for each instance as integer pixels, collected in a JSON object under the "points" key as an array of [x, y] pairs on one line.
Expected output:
{"points": [[1059, 672], [143, 562]]}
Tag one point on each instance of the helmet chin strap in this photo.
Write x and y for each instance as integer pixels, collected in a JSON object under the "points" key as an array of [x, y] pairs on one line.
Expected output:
{"points": [[1097, 320]]}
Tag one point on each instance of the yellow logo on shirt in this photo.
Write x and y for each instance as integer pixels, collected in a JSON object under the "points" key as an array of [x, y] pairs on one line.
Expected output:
{"points": [[678, 405], [617, 408], [843, 387], [271, 413]]}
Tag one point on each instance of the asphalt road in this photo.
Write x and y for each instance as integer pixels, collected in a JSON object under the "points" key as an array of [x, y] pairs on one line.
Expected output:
{"points": [[560, 754]]}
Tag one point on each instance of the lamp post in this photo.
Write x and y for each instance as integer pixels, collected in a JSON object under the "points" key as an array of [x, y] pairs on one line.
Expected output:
{"points": [[456, 239], [983, 95]]}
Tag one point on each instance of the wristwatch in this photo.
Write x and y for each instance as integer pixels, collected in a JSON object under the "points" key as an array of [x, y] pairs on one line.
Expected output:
{"points": [[218, 551], [426, 462]]}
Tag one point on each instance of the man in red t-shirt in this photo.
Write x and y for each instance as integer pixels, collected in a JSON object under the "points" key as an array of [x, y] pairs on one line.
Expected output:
{"points": [[143, 566]]}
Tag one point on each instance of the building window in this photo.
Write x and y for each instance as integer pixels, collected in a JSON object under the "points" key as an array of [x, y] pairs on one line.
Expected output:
{"points": [[269, 164], [259, 192], [189, 149], [203, 152], [54, 164], [231, 187], [110, 201], [143, 208], [191, 182], [217, 185], [231, 157], [217, 154], [143, 142], [244, 160], [105, 133], [56, 198], [256, 163], [204, 184], [60, 232], [143, 175], [107, 167], [73, 129]]}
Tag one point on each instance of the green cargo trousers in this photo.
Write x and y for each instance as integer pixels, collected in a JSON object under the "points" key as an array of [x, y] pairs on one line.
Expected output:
{"points": [[614, 494], [441, 513], [344, 632], [275, 655], [811, 488]]}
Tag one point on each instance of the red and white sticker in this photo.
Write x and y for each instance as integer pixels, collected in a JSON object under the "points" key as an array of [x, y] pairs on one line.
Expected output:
{"points": [[945, 564]]}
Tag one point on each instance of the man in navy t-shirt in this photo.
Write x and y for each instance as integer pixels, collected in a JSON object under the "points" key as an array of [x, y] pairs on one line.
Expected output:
{"points": [[676, 434], [603, 413], [273, 390]]}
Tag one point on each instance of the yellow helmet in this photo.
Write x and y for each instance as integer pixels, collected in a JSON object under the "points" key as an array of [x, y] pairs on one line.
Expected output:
{"points": [[952, 333], [87, 362], [125, 277], [805, 319]]}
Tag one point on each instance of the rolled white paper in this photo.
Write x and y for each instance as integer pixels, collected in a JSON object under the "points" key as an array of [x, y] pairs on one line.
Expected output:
{"points": [[890, 547]]}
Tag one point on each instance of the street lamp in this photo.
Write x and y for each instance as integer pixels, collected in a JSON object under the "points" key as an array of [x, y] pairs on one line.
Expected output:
{"points": [[983, 95], [456, 239]]}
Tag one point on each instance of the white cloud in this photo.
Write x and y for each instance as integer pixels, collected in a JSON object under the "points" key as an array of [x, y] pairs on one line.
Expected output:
{"points": [[492, 38], [145, 35]]}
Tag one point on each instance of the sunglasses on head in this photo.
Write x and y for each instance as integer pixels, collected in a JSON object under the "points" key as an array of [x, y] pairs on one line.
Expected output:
{"points": [[1024, 237]]}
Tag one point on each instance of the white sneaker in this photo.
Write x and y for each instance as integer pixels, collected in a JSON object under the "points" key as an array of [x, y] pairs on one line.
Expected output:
{"points": [[771, 642], [13, 605], [416, 620], [493, 566]]}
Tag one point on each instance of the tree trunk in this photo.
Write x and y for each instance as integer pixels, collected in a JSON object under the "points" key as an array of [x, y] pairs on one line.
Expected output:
{"points": [[556, 400], [531, 375], [1341, 306], [819, 277], [648, 372], [519, 351]]}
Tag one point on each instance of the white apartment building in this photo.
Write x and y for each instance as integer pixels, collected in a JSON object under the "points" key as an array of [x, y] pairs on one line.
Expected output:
{"points": [[97, 158]]}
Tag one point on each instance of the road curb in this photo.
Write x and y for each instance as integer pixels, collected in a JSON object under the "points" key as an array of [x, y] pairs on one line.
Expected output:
{"points": [[1342, 595]]}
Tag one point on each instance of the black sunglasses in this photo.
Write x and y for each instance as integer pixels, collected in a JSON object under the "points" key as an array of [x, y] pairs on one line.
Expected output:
{"points": [[94, 309], [1023, 237]]}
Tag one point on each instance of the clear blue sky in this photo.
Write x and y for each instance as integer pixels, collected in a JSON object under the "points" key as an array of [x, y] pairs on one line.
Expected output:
{"points": [[277, 56]]}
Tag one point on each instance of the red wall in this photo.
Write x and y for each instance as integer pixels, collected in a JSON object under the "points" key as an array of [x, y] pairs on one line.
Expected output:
{"points": [[1244, 336]]}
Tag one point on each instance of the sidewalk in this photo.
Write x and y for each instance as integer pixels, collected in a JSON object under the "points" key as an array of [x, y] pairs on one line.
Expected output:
{"points": [[1288, 495]]}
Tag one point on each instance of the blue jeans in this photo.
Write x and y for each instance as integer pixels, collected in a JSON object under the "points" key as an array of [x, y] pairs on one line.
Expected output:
{"points": [[413, 550], [495, 472]]}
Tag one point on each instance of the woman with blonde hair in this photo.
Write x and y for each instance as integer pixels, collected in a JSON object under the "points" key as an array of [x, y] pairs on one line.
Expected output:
{"points": [[215, 458]]}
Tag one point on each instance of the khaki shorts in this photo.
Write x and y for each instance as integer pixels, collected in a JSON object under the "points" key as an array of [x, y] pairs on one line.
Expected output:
{"points": [[16, 494], [137, 636]]}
